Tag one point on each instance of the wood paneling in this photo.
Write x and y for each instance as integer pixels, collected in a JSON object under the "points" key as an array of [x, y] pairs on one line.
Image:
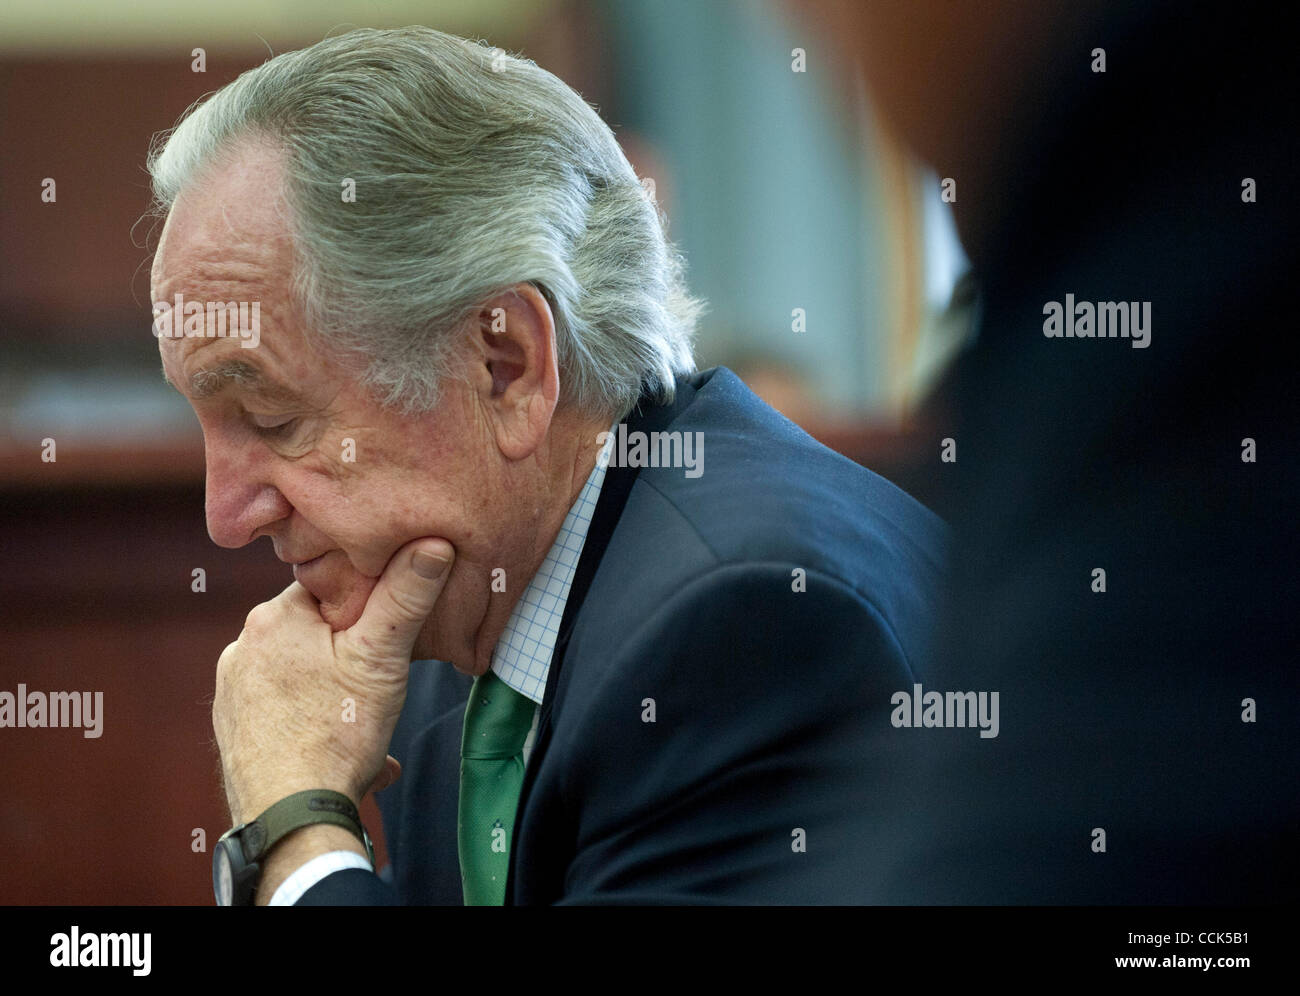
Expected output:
{"points": [[96, 595]]}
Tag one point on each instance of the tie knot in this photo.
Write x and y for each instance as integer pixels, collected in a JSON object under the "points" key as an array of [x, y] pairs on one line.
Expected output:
{"points": [[497, 719]]}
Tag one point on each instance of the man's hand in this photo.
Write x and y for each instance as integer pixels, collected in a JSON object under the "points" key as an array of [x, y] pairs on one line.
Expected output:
{"points": [[299, 706]]}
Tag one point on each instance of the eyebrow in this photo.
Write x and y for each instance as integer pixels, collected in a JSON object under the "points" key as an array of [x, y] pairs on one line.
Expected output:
{"points": [[206, 382]]}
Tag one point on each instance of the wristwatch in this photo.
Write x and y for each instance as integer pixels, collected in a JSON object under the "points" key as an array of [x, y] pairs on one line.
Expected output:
{"points": [[238, 856]]}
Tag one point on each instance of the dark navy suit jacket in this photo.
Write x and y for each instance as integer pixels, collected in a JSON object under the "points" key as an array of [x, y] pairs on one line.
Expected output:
{"points": [[771, 773]]}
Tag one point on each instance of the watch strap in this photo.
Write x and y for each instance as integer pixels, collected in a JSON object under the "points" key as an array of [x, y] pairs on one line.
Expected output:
{"points": [[300, 810]]}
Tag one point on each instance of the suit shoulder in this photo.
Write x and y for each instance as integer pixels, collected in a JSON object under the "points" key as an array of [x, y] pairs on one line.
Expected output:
{"points": [[757, 489], [760, 485]]}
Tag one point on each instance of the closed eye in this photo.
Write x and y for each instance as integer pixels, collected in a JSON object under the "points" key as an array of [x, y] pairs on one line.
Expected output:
{"points": [[273, 426]]}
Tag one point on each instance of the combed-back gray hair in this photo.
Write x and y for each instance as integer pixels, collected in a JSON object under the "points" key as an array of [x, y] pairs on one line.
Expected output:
{"points": [[474, 171]]}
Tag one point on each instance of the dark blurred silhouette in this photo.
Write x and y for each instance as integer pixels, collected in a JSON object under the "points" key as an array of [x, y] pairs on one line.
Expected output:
{"points": [[1121, 711]]}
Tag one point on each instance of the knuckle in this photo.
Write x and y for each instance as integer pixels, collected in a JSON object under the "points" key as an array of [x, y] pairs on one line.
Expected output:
{"points": [[226, 660], [260, 618], [410, 605]]}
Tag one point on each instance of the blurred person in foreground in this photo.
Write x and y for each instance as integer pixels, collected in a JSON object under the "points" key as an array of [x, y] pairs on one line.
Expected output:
{"points": [[657, 626], [1103, 154]]}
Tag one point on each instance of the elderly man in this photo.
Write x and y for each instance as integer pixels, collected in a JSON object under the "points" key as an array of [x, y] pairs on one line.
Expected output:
{"points": [[469, 418]]}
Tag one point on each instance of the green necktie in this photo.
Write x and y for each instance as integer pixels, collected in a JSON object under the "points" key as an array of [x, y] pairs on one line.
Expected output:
{"points": [[497, 720]]}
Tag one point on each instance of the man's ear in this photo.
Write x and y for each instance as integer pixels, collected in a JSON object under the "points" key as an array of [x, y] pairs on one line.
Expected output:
{"points": [[516, 376]]}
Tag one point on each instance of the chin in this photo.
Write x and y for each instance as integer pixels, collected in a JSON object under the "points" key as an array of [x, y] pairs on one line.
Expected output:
{"points": [[342, 606]]}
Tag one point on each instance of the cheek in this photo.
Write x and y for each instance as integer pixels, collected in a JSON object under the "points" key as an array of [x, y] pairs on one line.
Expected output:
{"points": [[368, 519], [378, 528], [402, 483]]}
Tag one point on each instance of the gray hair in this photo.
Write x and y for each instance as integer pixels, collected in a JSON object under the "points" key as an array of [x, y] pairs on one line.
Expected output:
{"points": [[474, 171]]}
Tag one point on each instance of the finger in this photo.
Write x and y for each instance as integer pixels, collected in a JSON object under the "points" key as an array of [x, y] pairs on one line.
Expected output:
{"points": [[297, 597], [403, 599], [295, 600], [392, 771]]}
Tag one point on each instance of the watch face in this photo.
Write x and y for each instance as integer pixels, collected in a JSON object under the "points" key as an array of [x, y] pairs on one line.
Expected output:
{"points": [[222, 876]]}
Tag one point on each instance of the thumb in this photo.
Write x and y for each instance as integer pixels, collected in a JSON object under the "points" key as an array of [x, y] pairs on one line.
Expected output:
{"points": [[391, 771], [402, 600]]}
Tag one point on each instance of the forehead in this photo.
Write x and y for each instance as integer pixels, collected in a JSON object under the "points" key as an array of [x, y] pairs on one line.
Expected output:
{"points": [[226, 240], [228, 222]]}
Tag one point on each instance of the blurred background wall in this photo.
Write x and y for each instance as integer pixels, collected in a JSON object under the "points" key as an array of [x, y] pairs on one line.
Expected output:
{"points": [[779, 184]]}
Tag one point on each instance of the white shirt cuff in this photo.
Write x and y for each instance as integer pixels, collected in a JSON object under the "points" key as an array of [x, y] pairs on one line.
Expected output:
{"points": [[319, 867]]}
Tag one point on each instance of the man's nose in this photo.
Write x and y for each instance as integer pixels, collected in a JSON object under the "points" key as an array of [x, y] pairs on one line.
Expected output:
{"points": [[239, 500]]}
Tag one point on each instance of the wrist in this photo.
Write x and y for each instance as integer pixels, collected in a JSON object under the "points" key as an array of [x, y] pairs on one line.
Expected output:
{"points": [[253, 858], [296, 849], [246, 807]]}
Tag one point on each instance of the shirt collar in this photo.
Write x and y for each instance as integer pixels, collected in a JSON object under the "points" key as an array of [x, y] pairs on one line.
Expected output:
{"points": [[522, 658]]}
